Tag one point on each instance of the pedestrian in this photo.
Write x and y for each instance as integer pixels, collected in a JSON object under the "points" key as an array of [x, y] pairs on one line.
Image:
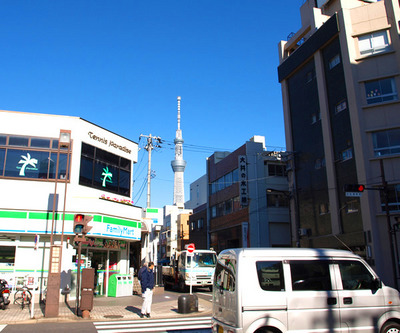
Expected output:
{"points": [[147, 284], [143, 268]]}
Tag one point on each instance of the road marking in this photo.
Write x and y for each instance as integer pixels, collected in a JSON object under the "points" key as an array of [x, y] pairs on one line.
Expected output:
{"points": [[2, 327], [154, 325]]}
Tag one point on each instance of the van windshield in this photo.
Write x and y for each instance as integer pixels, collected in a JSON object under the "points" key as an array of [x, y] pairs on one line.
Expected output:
{"points": [[202, 260]]}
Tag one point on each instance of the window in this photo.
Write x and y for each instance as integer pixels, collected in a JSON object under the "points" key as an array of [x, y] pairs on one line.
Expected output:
{"points": [[310, 275], [105, 171], [386, 142], [192, 225], [200, 223], [30, 158], [214, 211], [347, 154], [355, 275], [373, 43], [341, 106], [276, 169], [270, 275], [393, 198], [224, 276], [315, 117], [334, 61], [323, 208], [276, 199], [379, 91], [352, 207]]}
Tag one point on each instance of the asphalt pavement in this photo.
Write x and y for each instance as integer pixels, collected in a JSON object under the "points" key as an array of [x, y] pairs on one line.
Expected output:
{"points": [[165, 305]]}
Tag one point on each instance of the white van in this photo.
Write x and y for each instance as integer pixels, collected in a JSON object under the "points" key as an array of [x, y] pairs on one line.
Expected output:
{"points": [[277, 290]]}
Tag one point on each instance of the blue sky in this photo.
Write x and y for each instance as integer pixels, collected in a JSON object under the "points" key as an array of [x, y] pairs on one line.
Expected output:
{"points": [[122, 64]]}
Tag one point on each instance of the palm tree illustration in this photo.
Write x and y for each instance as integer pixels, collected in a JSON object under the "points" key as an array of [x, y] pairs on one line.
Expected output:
{"points": [[27, 160], [107, 176]]}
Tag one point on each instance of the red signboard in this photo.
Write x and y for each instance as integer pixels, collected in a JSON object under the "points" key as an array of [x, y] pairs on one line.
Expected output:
{"points": [[190, 247]]}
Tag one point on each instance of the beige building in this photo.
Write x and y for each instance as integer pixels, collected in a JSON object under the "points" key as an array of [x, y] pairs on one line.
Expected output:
{"points": [[340, 77]]}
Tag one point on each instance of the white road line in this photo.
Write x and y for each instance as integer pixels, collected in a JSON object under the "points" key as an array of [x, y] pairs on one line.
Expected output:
{"points": [[2, 327]]}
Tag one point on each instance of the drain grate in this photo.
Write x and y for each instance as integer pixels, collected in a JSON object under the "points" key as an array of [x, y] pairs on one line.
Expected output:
{"points": [[113, 316]]}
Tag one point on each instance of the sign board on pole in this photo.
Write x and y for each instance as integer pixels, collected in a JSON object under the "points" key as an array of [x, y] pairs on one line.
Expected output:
{"points": [[190, 247]]}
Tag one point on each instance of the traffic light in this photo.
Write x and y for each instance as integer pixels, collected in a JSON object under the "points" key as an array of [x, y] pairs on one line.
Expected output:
{"points": [[81, 226], [354, 188]]}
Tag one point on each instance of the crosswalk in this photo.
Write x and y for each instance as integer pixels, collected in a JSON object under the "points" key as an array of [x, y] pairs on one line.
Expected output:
{"points": [[155, 325]]}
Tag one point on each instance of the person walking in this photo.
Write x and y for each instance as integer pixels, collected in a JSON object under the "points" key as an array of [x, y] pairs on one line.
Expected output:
{"points": [[147, 284]]}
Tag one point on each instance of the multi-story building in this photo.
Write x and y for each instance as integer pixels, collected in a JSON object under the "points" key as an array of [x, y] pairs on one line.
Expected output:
{"points": [[45, 182], [340, 75], [198, 220], [248, 199]]}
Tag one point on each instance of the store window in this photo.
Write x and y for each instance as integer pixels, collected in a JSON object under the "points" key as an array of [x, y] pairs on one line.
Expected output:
{"points": [[103, 170], [30, 158], [379, 91]]}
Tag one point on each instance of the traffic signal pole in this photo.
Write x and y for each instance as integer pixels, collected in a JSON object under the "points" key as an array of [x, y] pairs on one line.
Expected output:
{"points": [[391, 232]]}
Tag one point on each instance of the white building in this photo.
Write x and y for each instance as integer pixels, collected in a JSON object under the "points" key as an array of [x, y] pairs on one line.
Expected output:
{"points": [[99, 183]]}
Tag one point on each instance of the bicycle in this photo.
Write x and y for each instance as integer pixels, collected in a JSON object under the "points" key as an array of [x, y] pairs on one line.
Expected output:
{"points": [[23, 297]]}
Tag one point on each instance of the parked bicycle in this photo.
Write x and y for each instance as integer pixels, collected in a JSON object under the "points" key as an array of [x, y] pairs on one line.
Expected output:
{"points": [[23, 297]]}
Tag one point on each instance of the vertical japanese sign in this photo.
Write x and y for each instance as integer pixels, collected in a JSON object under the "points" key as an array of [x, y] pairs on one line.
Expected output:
{"points": [[244, 195]]}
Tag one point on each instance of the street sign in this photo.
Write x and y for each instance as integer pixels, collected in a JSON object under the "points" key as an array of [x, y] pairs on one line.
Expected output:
{"points": [[190, 247], [353, 194]]}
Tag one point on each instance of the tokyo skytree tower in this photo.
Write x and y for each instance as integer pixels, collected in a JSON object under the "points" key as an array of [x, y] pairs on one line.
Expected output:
{"points": [[178, 164]]}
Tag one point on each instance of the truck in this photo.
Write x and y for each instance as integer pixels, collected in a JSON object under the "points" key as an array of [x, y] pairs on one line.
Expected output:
{"points": [[187, 269]]}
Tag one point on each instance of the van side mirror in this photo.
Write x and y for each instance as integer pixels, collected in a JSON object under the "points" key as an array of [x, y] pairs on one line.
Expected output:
{"points": [[376, 284]]}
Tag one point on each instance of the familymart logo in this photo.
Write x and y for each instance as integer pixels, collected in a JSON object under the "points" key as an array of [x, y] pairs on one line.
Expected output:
{"points": [[28, 163], [107, 177]]}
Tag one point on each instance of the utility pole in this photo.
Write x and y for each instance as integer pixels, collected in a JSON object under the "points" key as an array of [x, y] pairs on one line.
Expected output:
{"points": [[389, 224], [152, 142]]}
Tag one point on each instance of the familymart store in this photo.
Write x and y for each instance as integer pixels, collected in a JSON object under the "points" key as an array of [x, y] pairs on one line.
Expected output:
{"points": [[46, 180]]}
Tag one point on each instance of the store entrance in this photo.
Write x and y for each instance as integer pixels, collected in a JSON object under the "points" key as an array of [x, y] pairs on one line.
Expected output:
{"points": [[97, 259]]}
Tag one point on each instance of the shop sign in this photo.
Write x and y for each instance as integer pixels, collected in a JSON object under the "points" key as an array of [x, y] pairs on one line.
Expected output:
{"points": [[107, 177], [104, 243], [108, 142], [244, 195], [28, 163]]}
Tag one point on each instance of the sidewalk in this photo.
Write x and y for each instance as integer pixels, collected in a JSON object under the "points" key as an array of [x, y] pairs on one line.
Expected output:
{"points": [[106, 309]]}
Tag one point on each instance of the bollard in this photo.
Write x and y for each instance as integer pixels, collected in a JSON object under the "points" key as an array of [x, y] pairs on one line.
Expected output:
{"points": [[188, 304]]}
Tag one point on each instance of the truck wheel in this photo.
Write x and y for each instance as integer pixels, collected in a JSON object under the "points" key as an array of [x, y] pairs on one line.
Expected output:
{"points": [[391, 327], [182, 286]]}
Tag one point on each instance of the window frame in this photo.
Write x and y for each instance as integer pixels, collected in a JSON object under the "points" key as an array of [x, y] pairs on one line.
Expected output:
{"points": [[23, 146], [371, 38], [375, 95]]}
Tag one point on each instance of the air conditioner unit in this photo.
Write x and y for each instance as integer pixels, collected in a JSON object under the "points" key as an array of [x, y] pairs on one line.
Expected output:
{"points": [[303, 232]]}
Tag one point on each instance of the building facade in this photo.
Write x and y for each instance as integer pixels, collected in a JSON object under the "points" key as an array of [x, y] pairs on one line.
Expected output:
{"points": [[340, 78], [44, 183], [248, 202]]}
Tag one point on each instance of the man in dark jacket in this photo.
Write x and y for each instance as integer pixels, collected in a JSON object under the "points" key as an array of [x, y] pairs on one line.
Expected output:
{"points": [[147, 284]]}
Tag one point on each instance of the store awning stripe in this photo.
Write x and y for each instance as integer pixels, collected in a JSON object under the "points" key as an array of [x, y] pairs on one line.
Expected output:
{"points": [[113, 220], [13, 214]]}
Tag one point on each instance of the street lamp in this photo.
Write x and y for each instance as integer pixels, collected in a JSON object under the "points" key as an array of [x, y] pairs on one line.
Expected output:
{"points": [[54, 272]]}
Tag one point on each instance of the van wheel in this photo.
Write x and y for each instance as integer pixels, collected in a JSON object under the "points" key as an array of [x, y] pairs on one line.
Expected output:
{"points": [[265, 330], [391, 327]]}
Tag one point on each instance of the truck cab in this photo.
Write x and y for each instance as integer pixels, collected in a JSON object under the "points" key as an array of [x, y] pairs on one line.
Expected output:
{"points": [[194, 269]]}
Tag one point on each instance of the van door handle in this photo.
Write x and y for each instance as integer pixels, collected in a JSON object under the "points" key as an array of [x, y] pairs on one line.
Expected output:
{"points": [[347, 300], [332, 301]]}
